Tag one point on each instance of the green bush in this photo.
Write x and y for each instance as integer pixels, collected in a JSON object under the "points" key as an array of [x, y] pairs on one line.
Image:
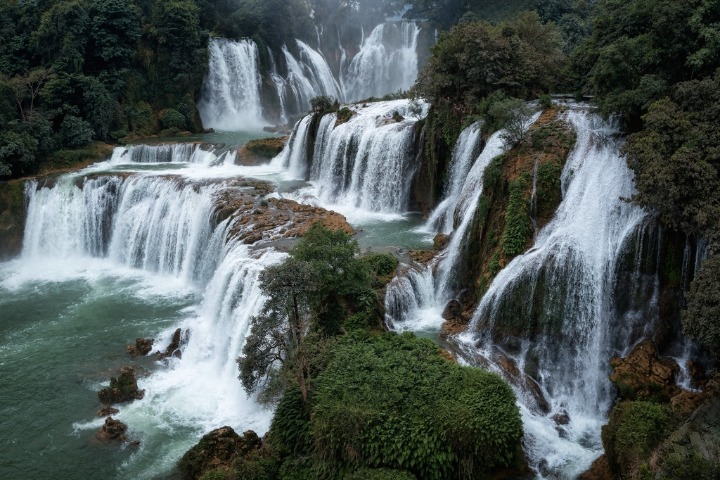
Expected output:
{"points": [[75, 132], [700, 320], [633, 431], [517, 219], [171, 118], [392, 401], [381, 264], [379, 474]]}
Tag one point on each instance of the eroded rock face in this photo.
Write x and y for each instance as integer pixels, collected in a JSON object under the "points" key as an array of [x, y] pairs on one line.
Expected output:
{"points": [[599, 470], [216, 450], [12, 218], [123, 388], [643, 375], [174, 348]]}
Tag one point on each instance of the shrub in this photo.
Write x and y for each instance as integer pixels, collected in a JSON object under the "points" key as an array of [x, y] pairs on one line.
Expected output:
{"points": [[171, 118], [381, 264], [392, 401], [700, 320], [379, 474], [634, 430]]}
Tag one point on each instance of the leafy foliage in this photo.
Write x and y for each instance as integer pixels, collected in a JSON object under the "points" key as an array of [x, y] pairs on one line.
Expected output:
{"points": [[392, 401], [701, 320], [634, 429]]}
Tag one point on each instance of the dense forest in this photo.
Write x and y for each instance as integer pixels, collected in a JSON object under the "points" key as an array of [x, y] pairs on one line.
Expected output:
{"points": [[77, 72]]}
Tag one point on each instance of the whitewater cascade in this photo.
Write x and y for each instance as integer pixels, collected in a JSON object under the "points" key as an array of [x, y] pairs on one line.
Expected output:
{"points": [[230, 98], [386, 63], [464, 153], [162, 227], [415, 301], [559, 294], [195, 153], [365, 163]]}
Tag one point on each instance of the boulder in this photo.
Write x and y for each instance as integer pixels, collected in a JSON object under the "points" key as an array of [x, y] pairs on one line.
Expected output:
{"points": [[173, 349], [217, 450], [106, 411], [142, 346], [440, 241], [599, 470], [123, 388], [112, 431], [643, 375]]}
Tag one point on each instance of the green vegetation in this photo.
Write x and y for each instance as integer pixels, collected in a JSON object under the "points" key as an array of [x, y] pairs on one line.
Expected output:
{"points": [[700, 320], [634, 430], [84, 70], [353, 402]]}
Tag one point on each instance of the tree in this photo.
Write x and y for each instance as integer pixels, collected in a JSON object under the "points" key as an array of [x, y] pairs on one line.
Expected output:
{"points": [[115, 30], [701, 320], [277, 332]]}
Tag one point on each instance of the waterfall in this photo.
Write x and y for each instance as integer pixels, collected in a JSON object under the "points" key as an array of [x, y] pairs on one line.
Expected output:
{"points": [[230, 97], [549, 308], [308, 77], [367, 162], [386, 63], [169, 153], [293, 157], [154, 223], [161, 228], [415, 301], [464, 152]]}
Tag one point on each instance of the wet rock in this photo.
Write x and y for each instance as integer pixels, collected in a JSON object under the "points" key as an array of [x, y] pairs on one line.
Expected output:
{"points": [[440, 241], [642, 374], [697, 373], [142, 346], [216, 450], [112, 431], [106, 411], [422, 256], [173, 349], [123, 388], [453, 310], [599, 470], [561, 418]]}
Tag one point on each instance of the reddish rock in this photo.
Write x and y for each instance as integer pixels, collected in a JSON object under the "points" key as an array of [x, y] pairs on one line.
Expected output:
{"points": [[422, 256], [123, 388], [440, 241], [142, 346], [643, 375]]}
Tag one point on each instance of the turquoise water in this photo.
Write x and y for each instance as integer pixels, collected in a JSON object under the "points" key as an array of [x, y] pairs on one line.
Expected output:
{"points": [[60, 341]]}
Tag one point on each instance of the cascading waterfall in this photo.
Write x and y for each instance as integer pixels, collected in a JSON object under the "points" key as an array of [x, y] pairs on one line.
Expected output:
{"points": [[162, 226], [230, 97], [170, 153], [387, 62], [416, 301], [293, 157], [368, 161], [559, 295], [464, 153]]}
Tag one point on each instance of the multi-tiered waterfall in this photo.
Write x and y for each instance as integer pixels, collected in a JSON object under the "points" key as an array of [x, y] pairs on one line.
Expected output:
{"points": [[387, 62]]}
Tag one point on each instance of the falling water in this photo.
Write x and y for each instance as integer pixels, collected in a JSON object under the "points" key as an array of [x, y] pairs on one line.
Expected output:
{"points": [[162, 225], [169, 153], [464, 153], [230, 97], [387, 62], [559, 296], [367, 162]]}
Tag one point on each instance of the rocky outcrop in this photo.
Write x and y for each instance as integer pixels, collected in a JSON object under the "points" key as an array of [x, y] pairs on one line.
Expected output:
{"points": [[142, 346], [123, 388], [257, 152], [112, 431], [12, 218], [217, 451], [643, 375], [599, 470], [174, 347]]}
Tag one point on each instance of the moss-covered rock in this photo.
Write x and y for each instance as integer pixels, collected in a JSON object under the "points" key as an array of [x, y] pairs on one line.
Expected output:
{"points": [[123, 388], [216, 453], [256, 152]]}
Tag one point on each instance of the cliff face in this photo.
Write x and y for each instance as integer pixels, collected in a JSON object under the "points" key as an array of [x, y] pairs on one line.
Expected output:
{"points": [[12, 218]]}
